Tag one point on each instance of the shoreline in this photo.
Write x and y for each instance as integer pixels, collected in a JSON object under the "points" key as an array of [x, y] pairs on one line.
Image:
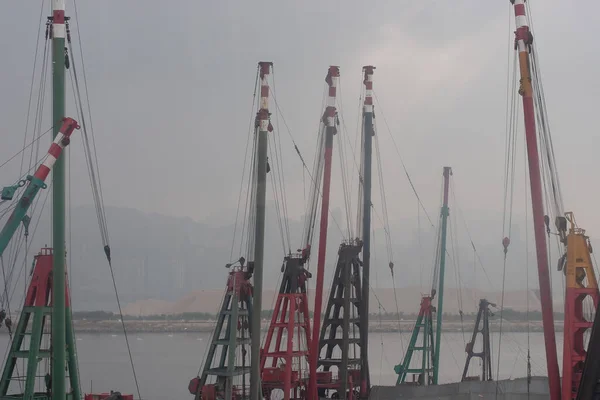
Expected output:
{"points": [[182, 326]]}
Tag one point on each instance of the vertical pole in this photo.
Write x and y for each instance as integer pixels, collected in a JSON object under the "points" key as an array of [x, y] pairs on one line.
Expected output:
{"points": [[440, 293], [523, 40], [366, 234], [425, 352], [72, 355], [287, 385], [333, 76], [343, 374], [259, 236], [232, 336], [58, 206], [486, 337]]}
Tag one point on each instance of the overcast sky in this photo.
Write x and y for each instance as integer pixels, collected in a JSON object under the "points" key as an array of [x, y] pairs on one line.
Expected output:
{"points": [[171, 88]]}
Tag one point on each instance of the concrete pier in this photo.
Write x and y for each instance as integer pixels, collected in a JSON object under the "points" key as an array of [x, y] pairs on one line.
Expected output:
{"points": [[514, 389]]}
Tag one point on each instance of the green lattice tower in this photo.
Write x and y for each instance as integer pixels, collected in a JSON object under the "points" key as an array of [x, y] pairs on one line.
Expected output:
{"points": [[27, 338], [424, 369], [227, 357]]}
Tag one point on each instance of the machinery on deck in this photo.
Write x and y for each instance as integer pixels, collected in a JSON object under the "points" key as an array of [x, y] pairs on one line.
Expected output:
{"points": [[284, 357], [288, 345], [422, 374], [482, 326], [108, 396], [37, 309], [339, 364], [225, 370], [227, 353], [27, 338], [425, 371], [340, 335], [581, 298]]}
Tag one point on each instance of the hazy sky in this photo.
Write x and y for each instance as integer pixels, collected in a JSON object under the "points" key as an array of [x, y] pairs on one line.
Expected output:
{"points": [[171, 91]]}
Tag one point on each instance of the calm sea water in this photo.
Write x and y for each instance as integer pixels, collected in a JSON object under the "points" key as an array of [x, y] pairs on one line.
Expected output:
{"points": [[165, 363]]}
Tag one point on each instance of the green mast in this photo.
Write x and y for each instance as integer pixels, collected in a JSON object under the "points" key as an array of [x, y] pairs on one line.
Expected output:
{"points": [[263, 129], [58, 206], [440, 293]]}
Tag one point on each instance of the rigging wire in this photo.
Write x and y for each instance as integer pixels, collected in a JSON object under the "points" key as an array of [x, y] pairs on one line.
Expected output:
{"points": [[345, 189], [303, 162], [357, 171], [435, 270], [249, 219], [361, 174], [477, 257], [509, 183], [87, 96], [278, 205], [454, 258], [35, 57], [14, 247], [279, 160], [386, 220], [421, 263], [387, 234], [313, 203], [414, 189], [347, 183], [93, 172], [249, 136]]}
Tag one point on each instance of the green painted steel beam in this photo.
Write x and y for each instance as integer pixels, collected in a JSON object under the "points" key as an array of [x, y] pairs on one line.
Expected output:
{"points": [[58, 211], [19, 214], [440, 291], [259, 248]]}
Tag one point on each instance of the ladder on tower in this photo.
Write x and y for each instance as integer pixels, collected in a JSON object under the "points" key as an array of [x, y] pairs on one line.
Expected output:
{"points": [[422, 373], [27, 339], [284, 357], [340, 333], [228, 357]]}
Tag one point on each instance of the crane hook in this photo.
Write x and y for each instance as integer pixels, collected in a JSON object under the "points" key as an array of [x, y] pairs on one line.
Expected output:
{"points": [[505, 243]]}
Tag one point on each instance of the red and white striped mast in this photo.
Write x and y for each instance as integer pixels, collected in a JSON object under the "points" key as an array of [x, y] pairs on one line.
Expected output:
{"points": [[332, 79], [523, 42], [61, 140]]}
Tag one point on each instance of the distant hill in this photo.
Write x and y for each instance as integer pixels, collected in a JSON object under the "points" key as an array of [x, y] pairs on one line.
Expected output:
{"points": [[178, 263], [408, 301]]}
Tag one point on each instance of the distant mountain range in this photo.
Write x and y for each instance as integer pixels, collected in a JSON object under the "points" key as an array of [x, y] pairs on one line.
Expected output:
{"points": [[381, 300], [168, 260]]}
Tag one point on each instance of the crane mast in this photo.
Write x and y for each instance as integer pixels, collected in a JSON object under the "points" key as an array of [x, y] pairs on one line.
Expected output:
{"points": [[369, 132], [438, 333], [330, 130], [263, 118], [523, 41], [428, 371], [59, 316]]}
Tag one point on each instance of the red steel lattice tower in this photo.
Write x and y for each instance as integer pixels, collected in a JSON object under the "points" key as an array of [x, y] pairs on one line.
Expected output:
{"points": [[329, 118], [284, 357]]}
